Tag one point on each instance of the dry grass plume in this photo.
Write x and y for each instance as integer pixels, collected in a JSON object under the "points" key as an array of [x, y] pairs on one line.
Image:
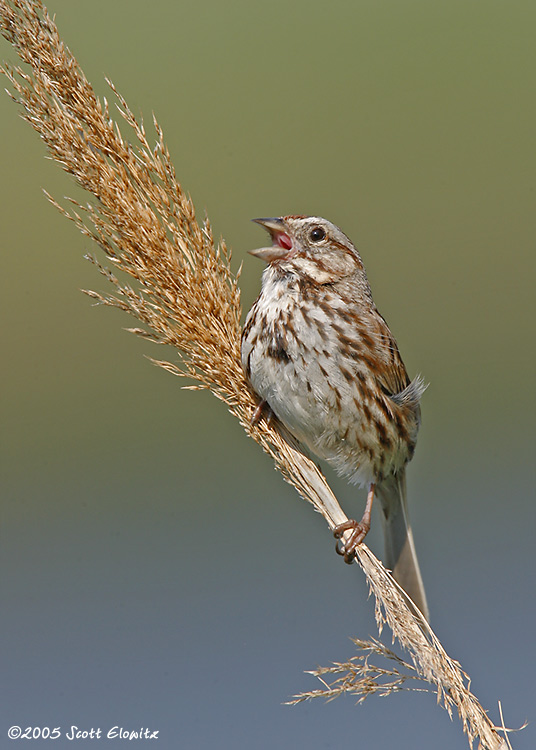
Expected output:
{"points": [[166, 270]]}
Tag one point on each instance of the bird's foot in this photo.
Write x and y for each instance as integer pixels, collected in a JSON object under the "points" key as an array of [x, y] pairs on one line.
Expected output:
{"points": [[348, 548], [262, 410], [359, 531]]}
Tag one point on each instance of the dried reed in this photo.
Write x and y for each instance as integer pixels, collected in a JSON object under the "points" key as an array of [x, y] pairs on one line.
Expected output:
{"points": [[184, 292]]}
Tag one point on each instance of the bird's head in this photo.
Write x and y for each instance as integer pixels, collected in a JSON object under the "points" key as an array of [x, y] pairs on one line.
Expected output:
{"points": [[311, 247]]}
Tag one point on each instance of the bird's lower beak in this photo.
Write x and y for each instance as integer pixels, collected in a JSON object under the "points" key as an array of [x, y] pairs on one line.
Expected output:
{"points": [[282, 244]]}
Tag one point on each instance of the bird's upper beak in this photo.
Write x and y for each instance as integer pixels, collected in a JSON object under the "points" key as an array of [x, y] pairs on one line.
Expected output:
{"points": [[282, 244]]}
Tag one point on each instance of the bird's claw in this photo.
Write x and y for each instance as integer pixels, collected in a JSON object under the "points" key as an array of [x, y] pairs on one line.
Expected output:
{"points": [[262, 410], [347, 549]]}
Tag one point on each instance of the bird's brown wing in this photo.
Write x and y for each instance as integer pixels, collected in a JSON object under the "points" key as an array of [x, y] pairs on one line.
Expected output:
{"points": [[392, 377]]}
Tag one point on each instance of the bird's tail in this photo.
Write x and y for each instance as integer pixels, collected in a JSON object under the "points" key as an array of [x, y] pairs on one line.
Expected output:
{"points": [[400, 556]]}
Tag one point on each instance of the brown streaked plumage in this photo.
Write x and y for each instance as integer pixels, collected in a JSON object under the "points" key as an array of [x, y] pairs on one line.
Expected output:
{"points": [[319, 354]]}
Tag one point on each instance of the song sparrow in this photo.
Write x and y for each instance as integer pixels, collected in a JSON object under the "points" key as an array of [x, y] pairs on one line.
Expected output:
{"points": [[321, 357]]}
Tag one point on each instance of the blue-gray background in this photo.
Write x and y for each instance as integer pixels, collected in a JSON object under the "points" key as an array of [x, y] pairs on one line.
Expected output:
{"points": [[155, 570]]}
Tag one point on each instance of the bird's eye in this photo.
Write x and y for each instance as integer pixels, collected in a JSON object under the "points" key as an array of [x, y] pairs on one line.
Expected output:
{"points": [[317, 234]]}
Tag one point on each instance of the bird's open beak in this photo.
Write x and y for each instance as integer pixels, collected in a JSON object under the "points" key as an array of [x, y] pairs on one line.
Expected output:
{"points": [[282, 244]]}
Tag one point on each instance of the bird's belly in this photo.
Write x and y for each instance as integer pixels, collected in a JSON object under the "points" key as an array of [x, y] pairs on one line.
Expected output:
{"points": [[327, 413], [326, 396]]}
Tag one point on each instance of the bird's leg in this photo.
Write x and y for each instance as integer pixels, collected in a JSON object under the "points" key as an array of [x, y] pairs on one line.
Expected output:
{"points": [[359, 530], [262, 409]]}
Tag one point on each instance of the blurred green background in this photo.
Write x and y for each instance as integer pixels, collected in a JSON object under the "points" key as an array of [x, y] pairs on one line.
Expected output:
{"points": [[155, 570]]}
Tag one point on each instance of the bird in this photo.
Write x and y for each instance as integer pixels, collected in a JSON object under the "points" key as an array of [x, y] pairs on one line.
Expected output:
{"points": [[322, 359]]}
